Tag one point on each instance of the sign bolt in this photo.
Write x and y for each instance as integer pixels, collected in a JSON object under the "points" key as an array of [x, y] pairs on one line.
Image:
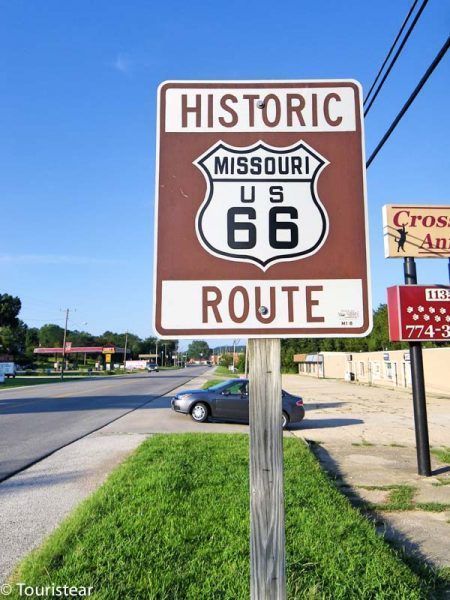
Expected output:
{"points": [[263, 310], [260, 104]]}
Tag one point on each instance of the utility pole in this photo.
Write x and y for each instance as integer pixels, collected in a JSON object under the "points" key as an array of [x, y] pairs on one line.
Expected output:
{"points": [[125, 353], [64, 345], [156, 352]]}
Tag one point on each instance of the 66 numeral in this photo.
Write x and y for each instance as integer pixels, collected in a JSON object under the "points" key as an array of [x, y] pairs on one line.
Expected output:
{"points": [[274, 227]]}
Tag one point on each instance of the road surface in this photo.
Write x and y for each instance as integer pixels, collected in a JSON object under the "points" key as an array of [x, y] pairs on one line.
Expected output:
{"points": [[36, 421]]}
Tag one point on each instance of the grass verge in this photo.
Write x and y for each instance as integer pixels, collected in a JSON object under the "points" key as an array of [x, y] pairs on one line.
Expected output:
{"points": [[172, 522], [442, 454], [225, 372], [12, 383]]}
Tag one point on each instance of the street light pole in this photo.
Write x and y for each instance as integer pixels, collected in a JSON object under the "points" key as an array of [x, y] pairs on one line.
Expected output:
{"points": [[64, 345], [125, 352]]}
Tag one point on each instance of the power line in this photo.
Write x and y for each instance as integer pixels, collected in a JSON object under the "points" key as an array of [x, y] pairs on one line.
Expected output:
{"points": [[413, 6], [410, 100], [397, 54]]}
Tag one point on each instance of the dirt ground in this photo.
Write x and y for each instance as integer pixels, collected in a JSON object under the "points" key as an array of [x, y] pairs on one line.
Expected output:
{"points": [[337, 411], [364, 437]]}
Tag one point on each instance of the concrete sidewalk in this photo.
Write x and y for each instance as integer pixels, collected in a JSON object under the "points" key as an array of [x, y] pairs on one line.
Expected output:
{"points": [[34, 502], [364, 437]]}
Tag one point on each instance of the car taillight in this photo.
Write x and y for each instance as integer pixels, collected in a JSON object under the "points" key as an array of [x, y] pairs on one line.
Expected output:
{"points": [[299, 402]]}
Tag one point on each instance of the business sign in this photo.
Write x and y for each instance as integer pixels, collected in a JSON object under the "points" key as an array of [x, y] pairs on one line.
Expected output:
{"points": [[419, 313], [416, 231], [109, 350], [260, 225]]}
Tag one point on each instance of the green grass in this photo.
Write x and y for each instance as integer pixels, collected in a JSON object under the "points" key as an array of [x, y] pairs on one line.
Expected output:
{"points": [[211, 382], [442, 454], [432, 506], [226, 373], [440, 482], [172, 523], [401, 497], [11, 383], [363, 443]]}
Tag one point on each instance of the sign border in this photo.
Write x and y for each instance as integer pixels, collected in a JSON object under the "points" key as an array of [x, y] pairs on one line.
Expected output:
{"points": [[264, 334]]}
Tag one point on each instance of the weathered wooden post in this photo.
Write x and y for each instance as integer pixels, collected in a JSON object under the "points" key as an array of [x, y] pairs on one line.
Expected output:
{"points": [[267, 539]]}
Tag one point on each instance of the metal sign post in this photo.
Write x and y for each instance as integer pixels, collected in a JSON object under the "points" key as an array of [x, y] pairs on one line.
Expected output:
{"points": [[418, 388]]}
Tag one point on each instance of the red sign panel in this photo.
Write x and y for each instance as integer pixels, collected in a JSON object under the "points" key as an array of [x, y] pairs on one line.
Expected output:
{"points": [[419, 313]]}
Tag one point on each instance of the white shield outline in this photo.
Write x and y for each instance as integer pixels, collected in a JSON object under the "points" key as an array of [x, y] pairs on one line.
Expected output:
{"points": [[263, 265]]}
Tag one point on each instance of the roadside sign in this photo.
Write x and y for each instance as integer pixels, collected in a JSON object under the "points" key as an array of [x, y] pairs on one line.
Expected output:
{"points": [[108, 358], [260, 225], [109, 350], [419, 313], [416, 231]]}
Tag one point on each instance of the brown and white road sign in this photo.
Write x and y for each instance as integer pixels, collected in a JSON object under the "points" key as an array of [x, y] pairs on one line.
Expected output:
{"points": [[416, 231], [260, 225]]}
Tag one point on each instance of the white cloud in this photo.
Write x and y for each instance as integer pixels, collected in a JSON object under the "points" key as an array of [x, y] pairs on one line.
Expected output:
{"points": [[123, 64], [56, 259]]}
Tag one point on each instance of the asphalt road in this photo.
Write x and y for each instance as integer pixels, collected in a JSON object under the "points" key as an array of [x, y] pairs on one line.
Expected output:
{"points": [[35, 421]]}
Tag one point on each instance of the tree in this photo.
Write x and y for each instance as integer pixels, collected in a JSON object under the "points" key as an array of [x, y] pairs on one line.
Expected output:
{"points": [[9, 309], [12, 339], [226, 360], [240, 365], [198, 349], [51, 336], [31, 341], [148, 345], [80, 338]]}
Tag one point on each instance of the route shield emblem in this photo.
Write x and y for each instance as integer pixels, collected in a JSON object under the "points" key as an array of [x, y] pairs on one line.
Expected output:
{"points": [[261, 204]]}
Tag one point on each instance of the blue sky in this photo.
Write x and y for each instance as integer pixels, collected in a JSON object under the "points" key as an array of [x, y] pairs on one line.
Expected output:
{"points": [[78, 87]]}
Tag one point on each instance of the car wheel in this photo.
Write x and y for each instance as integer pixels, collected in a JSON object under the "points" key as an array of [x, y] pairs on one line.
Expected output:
{"points": [[284, 420], [199, 412]]}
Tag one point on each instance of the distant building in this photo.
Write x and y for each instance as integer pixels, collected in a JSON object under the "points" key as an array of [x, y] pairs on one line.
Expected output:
{"points": [[391, 368]]}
